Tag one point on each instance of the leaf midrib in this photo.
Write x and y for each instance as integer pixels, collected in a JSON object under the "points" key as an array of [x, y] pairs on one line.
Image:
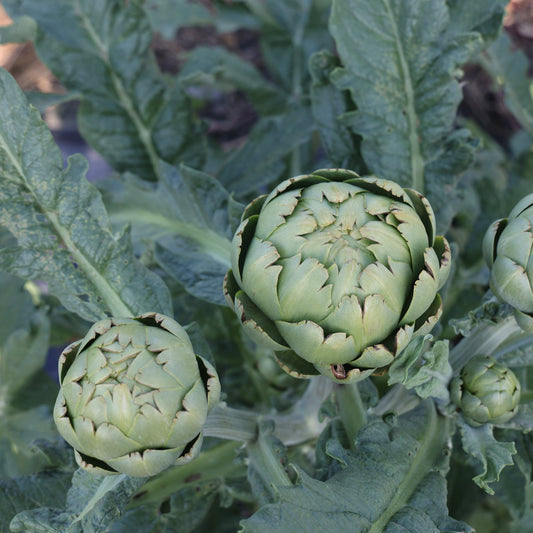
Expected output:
{"points": [[430, 449], [112, 300], [212, 243], [417, 163], [144, 132]]}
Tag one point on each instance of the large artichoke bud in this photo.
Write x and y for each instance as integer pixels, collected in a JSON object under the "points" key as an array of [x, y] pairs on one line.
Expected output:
{"points": [[486, 391], [508, 250], [337, 273], [134, 396]]}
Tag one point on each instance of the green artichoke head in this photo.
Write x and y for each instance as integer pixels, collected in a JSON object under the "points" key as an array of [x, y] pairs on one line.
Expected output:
{"points": [[134, 396], [486, 391], [337, 273], [508, 250]]}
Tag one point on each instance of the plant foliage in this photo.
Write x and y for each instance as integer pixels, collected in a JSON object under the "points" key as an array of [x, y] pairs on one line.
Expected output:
{"points": [[374, 87]]}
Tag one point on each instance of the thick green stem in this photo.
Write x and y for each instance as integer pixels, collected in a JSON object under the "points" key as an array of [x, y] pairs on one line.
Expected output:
{"points": [[351, 409], [266, 463], [299, 424], [228, 423], [214, 463]]}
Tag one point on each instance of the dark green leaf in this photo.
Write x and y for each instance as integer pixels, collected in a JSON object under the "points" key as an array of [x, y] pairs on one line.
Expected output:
{"points": [[46, 489], [492, 455], [425, 369], [189, 216], [261, 160], [401, 68], [57, 216], [328, 104], [393, 476], [93, 503]]}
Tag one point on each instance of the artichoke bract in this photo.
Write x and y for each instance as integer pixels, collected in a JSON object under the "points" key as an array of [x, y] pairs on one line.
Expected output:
{"points": [[134, 396], [337, 273], [508, 251], [486, 391]]}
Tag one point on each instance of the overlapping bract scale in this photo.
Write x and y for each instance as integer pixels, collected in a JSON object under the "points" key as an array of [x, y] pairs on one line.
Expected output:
{"points": [[134, 396], [337, 273]]}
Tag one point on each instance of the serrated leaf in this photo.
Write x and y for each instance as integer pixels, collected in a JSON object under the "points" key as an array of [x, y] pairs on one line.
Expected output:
{"points": [[425, 369], [188, 507], [492, 455], [190, 217], [47, 488], [515, 487], [394, 475], [489, 312], [328, 104], [93, 503], [401, 68], [101, 49], [57, 216]]}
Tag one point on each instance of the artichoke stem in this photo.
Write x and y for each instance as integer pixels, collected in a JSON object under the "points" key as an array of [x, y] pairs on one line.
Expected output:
{"points": [[266, 462], [228, 423], [351, 409]]}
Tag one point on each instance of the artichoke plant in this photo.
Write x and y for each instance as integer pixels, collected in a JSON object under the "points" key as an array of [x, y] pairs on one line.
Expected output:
{"points": [[337, 273], [134, 396], [508, 250], [486, 391]]}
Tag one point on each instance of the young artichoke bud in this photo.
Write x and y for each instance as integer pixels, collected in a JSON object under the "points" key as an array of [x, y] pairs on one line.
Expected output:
{"points": [[134, 396], [507, 248], [337, 273], [486, 392]]}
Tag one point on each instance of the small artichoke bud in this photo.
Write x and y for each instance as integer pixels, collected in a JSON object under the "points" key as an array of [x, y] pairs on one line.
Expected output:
{"points": [[336, 273], [486, 392], [508, 251], [134, 396]]}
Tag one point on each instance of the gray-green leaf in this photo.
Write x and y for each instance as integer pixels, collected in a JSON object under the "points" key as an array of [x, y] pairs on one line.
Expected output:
{"points": [[61, 225], [129, 112], [191, 219], [491, 454], [393, 478]]}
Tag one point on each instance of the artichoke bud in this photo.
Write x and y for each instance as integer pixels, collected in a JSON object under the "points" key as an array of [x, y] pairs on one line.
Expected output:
{"points": [[134, 396], [486, 392], [336, 273], [508, 251]]}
